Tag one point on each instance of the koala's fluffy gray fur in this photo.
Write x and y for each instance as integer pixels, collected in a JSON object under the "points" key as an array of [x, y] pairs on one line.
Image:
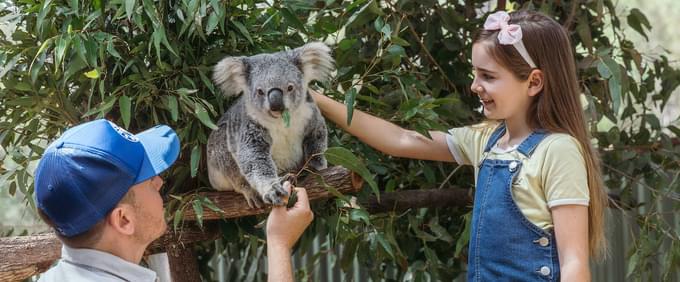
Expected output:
{"points": [[252, 145]]}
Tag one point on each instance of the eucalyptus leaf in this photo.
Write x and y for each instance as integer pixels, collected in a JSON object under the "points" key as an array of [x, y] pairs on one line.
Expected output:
{"points": [[129, 8], [111, 49], [195, 159], [93, 74], [173, 107], [349, 103], [292, 19], [44, 10], [198, 210], [124, 104], [61, 48], [344, 157], [79, 47], [203, 116], [213, 21], [37, 66], [243, 30], [285, 116]]}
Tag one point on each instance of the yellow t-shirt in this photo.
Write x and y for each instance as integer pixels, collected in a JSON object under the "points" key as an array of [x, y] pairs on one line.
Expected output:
{"points": [[554, 175]]}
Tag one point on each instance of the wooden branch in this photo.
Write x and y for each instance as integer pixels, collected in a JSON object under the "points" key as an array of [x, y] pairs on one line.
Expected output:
{"points": [[408, 199], [641, 148], [441, 198], [234, 204], [572, 13], [185, 236], [31, 255], [420, 41], [429, 56], [501, 5], [25, 256]]}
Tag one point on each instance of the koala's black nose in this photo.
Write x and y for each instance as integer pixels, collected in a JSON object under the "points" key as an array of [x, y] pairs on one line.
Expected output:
{"points": [[276, 100]]}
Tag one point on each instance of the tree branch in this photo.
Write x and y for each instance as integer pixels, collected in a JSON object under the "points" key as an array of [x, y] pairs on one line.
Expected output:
{"points": [[25, 256], [234, 204], [409, 199], [501, 5], [428, 55], [572, 13]]}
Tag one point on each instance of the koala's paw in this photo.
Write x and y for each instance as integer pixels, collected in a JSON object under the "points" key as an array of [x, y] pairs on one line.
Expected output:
{"points": [[253, 199], [276, 195]]}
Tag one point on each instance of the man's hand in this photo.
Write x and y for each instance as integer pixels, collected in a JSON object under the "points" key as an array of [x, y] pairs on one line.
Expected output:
{"points": [[284, 228]]}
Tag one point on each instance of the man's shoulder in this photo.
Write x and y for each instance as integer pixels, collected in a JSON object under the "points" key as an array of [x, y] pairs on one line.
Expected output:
{"points": [[64, 271], [58, 272]]}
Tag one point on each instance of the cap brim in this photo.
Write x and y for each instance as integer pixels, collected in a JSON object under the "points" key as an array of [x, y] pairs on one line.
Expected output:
{"points": [[162, 148]]}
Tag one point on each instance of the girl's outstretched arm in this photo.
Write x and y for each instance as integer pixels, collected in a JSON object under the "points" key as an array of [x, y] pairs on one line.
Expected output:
{"points": [[571, 233], [385, 136]]}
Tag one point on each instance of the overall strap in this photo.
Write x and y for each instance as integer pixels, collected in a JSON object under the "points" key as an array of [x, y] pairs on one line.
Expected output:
{"points": [[529, 144], [497, 134]]}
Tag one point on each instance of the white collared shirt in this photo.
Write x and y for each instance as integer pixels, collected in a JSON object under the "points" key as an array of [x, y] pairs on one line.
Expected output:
{"points": [[80, 265]]}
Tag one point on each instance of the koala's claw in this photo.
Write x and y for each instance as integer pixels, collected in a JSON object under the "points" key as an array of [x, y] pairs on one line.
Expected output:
{"points": [[276, 195], [253, 199], [290, 177]]}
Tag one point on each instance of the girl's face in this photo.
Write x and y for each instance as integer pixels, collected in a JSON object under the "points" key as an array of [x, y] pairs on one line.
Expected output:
{"points": [[503, 96]]}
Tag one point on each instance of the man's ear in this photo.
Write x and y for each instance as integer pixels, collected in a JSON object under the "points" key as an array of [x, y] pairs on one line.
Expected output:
{"points": [[314, 60], [231, 75], [536, 82], [122, 219]]}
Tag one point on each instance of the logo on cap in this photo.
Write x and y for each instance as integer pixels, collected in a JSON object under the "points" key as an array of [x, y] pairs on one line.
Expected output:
{"points": [[127, 135]]}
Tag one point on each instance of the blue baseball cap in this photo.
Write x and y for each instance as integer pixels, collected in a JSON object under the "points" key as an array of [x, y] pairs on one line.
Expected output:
{"points": [[83, 174]]}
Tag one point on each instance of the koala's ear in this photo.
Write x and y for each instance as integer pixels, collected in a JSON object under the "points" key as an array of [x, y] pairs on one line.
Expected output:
{"points": [[231, 75], [314, 60]]}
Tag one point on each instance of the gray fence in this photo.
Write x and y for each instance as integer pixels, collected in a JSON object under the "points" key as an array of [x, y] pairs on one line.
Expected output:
{"points": [[622, 231]]}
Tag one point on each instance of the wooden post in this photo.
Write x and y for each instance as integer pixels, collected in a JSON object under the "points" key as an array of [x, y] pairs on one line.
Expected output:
{"points": [[183, 264]]}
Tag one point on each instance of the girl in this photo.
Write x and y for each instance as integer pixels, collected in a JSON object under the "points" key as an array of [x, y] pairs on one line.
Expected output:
{"points": [[539, 198]]}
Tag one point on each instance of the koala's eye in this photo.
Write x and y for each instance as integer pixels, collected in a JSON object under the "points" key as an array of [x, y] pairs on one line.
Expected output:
{"points": [[260, 92], [290, 87]]}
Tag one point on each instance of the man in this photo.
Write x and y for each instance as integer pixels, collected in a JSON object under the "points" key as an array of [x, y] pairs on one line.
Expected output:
{"points": [[98, 186]]}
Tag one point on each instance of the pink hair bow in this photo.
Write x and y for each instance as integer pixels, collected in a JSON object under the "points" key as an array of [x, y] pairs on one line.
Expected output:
{"points": [[509, 34]]}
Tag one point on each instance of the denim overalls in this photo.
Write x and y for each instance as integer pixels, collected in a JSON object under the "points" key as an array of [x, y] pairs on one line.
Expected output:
{"points": [[504, 244]]}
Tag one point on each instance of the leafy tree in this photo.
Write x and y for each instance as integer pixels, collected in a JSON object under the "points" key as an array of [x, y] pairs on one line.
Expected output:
{"points": [[143, 62]]}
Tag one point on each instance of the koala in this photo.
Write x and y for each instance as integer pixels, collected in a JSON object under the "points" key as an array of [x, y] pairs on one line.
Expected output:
{"points": [[253, 144]]}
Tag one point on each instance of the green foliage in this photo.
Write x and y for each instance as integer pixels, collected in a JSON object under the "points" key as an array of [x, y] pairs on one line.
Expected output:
{"points": [[345, 158], [143, 62]]}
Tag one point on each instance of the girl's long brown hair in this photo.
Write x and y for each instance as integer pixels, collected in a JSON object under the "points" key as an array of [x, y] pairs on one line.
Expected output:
{"points": [[557, 108]]}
